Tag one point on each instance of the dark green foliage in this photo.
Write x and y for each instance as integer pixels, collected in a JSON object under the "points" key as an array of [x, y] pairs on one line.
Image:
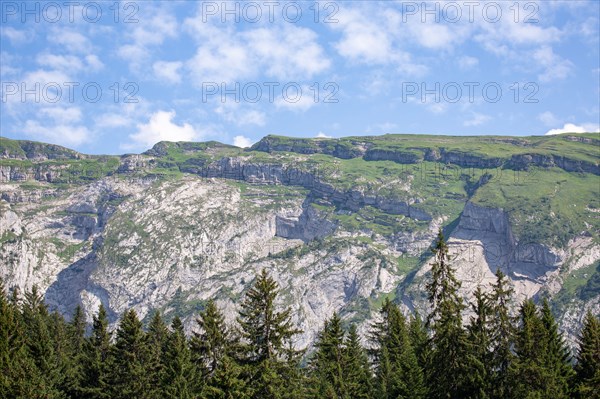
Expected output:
{"points": [[97, 359], [156, 340], [178, 369], [397, 370], [128, 377], [328, 365], [358, 378], [479, 348], [587, 381], [502, 333], [542, 366], [449, 366], [42, 356], [266, 333]]}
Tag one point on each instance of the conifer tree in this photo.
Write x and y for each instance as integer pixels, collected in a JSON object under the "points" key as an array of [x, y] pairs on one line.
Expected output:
{"points": [[213, 342], [587, 381], [19, 377], [397, 371], [502, 330], [357, 373], [156, 341], [556, 357], [419, 339], [179, 375], [479, 340], [266, 333], [448, 366], [212, 350], [97, 359], [75, 337], [327, 365], [42, 345], [527, 371], [129, 378]]}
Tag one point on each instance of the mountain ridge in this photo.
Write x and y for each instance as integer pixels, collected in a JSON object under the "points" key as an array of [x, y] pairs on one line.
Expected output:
{"points": [[344, 223]]}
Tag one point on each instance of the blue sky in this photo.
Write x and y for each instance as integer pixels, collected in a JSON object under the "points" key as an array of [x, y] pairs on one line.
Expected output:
{"points": [[114, 77]]}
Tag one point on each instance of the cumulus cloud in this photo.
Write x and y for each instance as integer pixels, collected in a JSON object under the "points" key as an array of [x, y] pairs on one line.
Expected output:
{"points": [[241, 116], [555, 67], [61, 126], [477, 119], [573, 128], [71, 40], [296, 100], [160, 127], [467, 62], [16, 36], [322, 135], [242, 141], [548, 119], [67, 135], [168, 71], [144, 37], [284, 52]]}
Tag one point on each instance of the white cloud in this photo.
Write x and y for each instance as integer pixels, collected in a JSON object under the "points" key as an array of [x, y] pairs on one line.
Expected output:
{"points": [[573, 128], [71, 40], [63, 134], [143, 37], [16, 36], [168, 71], [289, 53], [296, 101], [548, 118], [161, 128], [380, 128], [467, 62], [223, 54], [62, 115], [60, 125], [555, 67], [93, 62], [228, 62], [476, 120], [234, 113], [242, 141], [322, 135]]}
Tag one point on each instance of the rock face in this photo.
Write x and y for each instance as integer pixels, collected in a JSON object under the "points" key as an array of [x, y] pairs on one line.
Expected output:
{"points": [[339, 224]]}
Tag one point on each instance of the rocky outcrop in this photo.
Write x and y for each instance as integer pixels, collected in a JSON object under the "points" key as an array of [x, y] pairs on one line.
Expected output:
{"points": [[309, 225], [136, 163], [240, 169]]}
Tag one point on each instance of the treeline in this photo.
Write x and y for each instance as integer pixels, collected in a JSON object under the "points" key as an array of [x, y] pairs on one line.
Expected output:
{"points": [[497, 355]]}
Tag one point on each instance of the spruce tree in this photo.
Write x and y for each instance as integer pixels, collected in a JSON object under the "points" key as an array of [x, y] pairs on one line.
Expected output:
{"points": [[479, 342], [212, 352], [327, 365], [41, 344], [449, 363], [397, 371], [129, 377], [527, 371], [97, 360], [75, 345], [179, 376], [156, 341], [587, 381], [556, 357], [502, 330], [419, 339], [19, 377], [212, 342], [266, 333], [357, 373]]}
